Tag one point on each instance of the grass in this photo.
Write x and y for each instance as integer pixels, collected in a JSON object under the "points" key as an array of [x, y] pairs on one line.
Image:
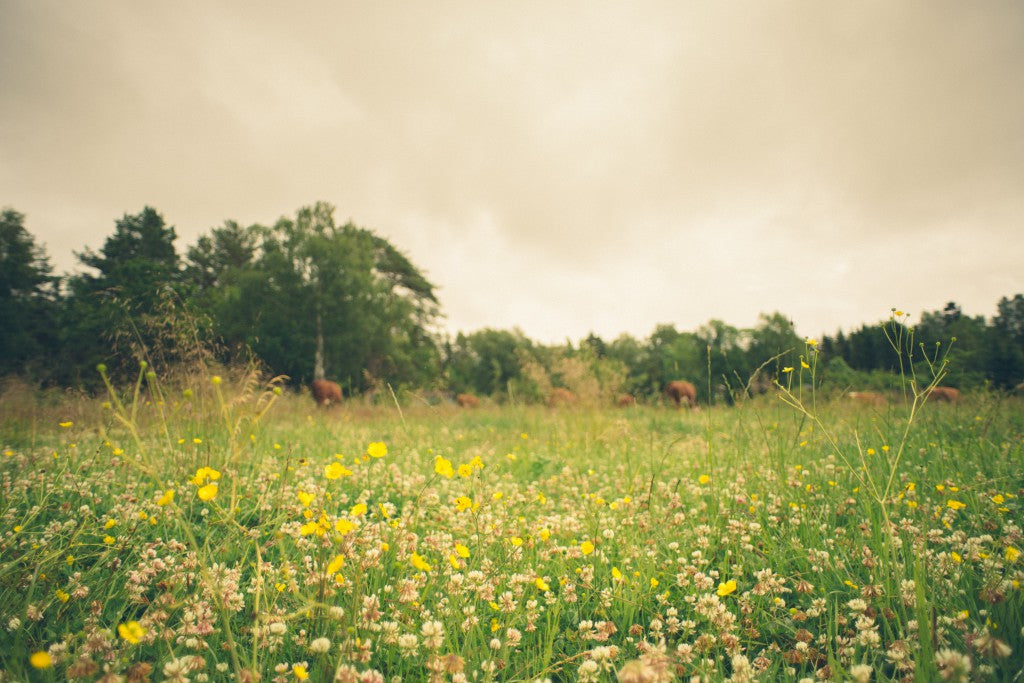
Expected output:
{"points": [[514, 543]]}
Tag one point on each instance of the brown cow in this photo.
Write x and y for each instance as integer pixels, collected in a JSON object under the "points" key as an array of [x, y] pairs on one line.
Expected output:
{"points": [[560, 396], [325, 391], [868, 398], [947, 394], [625, 400], [680, 391], [467, 400]]}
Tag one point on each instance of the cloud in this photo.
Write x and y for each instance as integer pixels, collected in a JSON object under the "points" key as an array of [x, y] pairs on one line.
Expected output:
{"points": [[565, 168]]}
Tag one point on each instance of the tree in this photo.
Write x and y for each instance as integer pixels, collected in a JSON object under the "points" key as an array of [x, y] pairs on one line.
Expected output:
{"points": [[28, 299], [487, 361], [115, 311], [773, 338], [314, 299], [1004, 340]]}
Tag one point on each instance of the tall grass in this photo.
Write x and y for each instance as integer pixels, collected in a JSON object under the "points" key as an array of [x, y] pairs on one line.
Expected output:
{"points": [[769, 541]]}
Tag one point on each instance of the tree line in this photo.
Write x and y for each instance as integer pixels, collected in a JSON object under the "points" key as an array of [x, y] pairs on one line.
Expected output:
{"points": [[307, 297]]}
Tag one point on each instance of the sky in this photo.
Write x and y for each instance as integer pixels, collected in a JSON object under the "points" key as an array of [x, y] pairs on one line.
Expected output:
{"points": [[561, 167]]}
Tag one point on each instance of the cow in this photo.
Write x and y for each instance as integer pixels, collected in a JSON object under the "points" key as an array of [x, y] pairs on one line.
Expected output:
{"points": [[625, 400], [560, 396], [680, 391], [868, 398], [467, 400], [947, 394], [325, 391]]}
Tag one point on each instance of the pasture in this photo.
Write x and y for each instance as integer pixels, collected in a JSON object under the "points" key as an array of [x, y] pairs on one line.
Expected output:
{"points": [[227, 532]]}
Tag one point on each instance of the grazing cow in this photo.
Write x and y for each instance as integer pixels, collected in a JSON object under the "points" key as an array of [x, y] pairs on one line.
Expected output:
{"points": [[680, 391], [625, 400], [560, 396], [467, 400], [325, 391], [868, 398], [947, 394]]}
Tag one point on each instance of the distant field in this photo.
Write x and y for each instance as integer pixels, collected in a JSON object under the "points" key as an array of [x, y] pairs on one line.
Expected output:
{"points": [[206, 537]]}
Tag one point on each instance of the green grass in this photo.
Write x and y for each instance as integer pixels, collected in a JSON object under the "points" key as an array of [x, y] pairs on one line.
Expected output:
{"points": [[635, 521]]}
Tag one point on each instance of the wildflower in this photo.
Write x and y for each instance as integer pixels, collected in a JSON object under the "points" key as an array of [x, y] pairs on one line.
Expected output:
{"points": [[336, 470], [541, 584], [215, 380], [131, 632], [461, 550], [343, 526], [616, 574], [377, 449], [787, 369], [443, 466], [726, 588], [208, 492], [300, 672], [586, 547], [41, 660], [1012, 553], [62, 596], [166, 498], [703, 479], [305, 498], [463, 503], [465, 470], [67, 424], [358, 510], [804, 364], [205, 473], [516, 541], [337, 563], [108, 540], [418, 562], [998, 499], [320, 645], [955, 504]]}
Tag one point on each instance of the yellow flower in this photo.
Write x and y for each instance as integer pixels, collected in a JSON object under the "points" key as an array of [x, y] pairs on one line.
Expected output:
{"points": [[804, 364], [300, 672], [463, 503], [461, 550], [787, 369], [654, 582], [62, 596], [41, 660], [541, 584], [337, 563], [998, 499], [616, 574], [197, 440], [131, 631], [955, 504], [204, 473], [727, 588], [67, 424], [335, 470], [166, 498], [586, 547], [358, 510], [215, 380], [208, 492], [420, 563], [956, 557], [545, 534], [305, 498], [465, 470], [108, 539], [1011, 554], [443, 466], [343, 526], [377, 449], [516, 541], [703, 479]]}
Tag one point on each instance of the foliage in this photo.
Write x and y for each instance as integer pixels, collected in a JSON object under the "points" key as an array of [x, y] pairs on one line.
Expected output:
{"points": [[29, 299]]}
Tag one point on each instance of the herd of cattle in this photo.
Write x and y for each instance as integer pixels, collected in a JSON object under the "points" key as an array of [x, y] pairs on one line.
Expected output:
{"points": [[679, 392]]}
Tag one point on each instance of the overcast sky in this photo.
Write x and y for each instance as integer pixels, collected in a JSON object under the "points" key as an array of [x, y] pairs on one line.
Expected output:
{"points": [[563, 167]]}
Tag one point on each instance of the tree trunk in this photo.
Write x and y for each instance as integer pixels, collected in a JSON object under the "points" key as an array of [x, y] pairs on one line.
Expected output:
{"points": [[318, 361]]}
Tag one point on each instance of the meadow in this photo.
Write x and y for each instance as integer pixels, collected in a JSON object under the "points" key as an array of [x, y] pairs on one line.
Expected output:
{"points": [[226, 530]]}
